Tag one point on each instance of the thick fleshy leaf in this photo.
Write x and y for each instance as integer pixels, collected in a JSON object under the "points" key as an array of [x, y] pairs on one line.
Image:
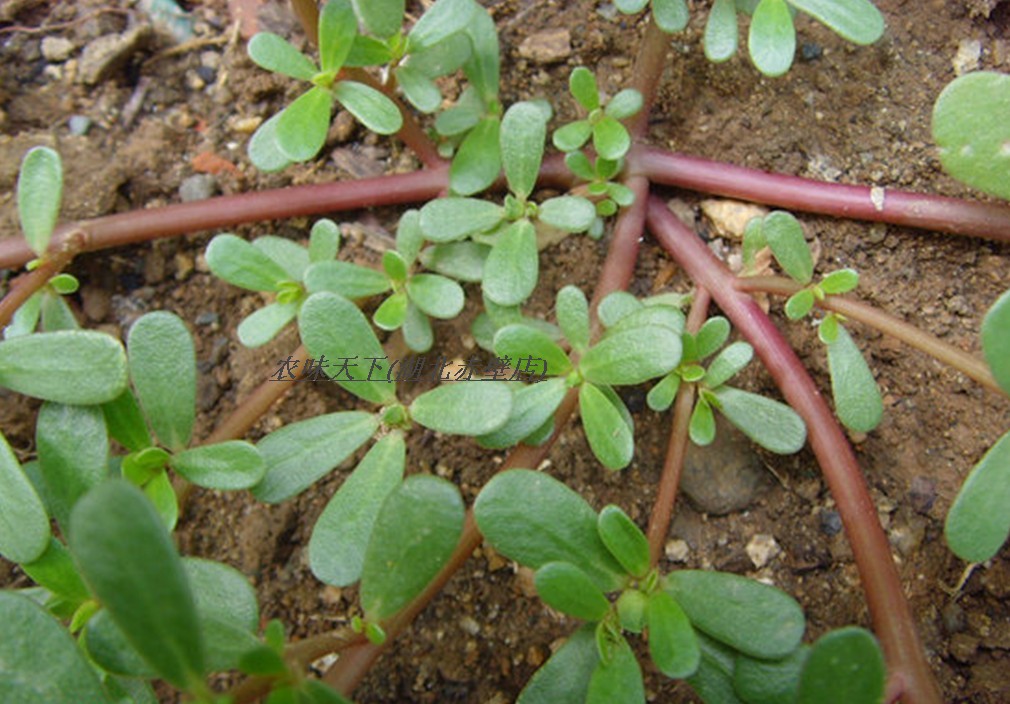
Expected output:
{"points": [[630, 7], [26, 318], [648, 317], [444, 58], [110, 649], [239, 263], [563, 586], [464, 408], [582, 84], [274, 53], [260, 327], [610, 138], [799, 304], [392, 313], [518, 342], [163, 371], [670, 15], [856, 20], [771, 424], [162, 495], [617, 305], [346, 279], [523, 130], [227, 610], [462, 116], [415, 533], [571, 137], [324, 241], [71, 366], [564, 678], [55, 570], [409, 237], [300, 453], [302, 126], [578, 163], [448, 219], [421, 91], [73, 452], [463, 261], [417, 332], [702, 426], [127, 559], [784, 235], [618, 681], [769, 681], [844, 667], [610, 439], [42, 663], [483, 69], [534, 519], [532, 407], [840, 281], [624, 539], [568, 213], [436, 295], [337, 27], [661, 395], [721, 31], [291, 256], [727, 363], [368, 51], [624, 104], [383, 18], [513, 265], [978, 523], [572, 310], [443, 19], [996, 340], [772, 38], [126, 423], [24, 524], [857, 397], [478, 160], [263, 150], [56, 314], [712, 335], [234, 464], [632, 356], [40, 189], [333, 327], [758, 620], [371, 108], [713, 681], [673, 644], [340, 536]]}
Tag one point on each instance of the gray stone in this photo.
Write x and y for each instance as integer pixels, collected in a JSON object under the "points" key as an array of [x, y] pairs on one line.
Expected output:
{"points": [[725, 476], [107, 54], [57, 49], [197, 187], [79, 125]]}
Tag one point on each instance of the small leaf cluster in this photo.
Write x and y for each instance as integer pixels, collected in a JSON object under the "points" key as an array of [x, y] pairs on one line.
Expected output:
{"points": [[670, 15], [857, 397], [731, 638]]}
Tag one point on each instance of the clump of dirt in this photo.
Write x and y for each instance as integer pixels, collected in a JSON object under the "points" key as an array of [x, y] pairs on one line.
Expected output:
{"points": [[171, 121]]}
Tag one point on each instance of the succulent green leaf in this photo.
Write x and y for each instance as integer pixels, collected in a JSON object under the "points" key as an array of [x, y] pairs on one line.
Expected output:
{"points": [[62, 676], [610, 138], [650, 316], [630, 7], [300, 453], [161, 494], [443, 19], [702, 425], [610, 438], [436, 295], [73, 450], [55, 570], [324, 241], [478, 160], [127, 559], [771, 424], [381, 18], [857, 397], [409, 237], [713, 681], [368, 51], [520, 341], [302, 126], [340, 536], [727, 363], [394, 265], [769, 681], [621, 194], [448, 219], [260, 327], [721, 31], [274, 53], [443, 59], [290, 256], [414, 534], [565, 587], [631, 607], [845, 665], [337, 28], [673, 644], [564, 678], [483, 69], [572, 136], [71, 366], [582, 84], [513, 265], [533, 406], [978, 523], [163, 370], [464, 115], [417, 332], [785, 237], [996, 340], [711, 336], [263, 150], [24, 524], [827, 329], [578, 163], [333, 327], [616, 306], [624, 104], [772, 38], [40, 189], [109, 648], [26, 318], [624, 539], [618, 681], [420, 90], [461, 260], [856, 20], [758, 620], [670, 15], [632, 356], [241, 264], [661, 396], [568, 213], [799, 304], [523, 130], [841, 281], [392, 313], [346, 279], [464, 408], [753, 240], [572, 310], [234, 464], [371, 108], [558, 525], [56, 314], [64, 284], [227, 610]]}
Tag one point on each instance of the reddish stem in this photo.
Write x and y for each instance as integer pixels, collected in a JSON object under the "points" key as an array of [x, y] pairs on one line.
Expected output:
{"points": [[25, 285], [889, 609], [649, 65], [928, 212]]}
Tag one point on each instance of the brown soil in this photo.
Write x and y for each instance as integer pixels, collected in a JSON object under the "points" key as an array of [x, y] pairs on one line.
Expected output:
{"points": [[855, 115]]}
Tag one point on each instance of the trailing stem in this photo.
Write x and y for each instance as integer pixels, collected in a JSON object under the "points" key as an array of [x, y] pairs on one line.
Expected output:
{"points": [[889, 609]]}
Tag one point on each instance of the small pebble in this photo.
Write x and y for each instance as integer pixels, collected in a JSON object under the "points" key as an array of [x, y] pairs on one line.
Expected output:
{"points": [[208, 74], [809, 51], [208, 318], [677, 550], [729, 218], [197, 187], [79, 125], [953, 618], [966, 59], [547, 47], [107, 54], [762, 549], [183, 266], [922, 494], [57, 49], [831, 522]]}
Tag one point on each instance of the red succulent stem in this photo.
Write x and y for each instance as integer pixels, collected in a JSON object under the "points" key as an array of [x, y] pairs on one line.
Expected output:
{"points": [[890, 611]]}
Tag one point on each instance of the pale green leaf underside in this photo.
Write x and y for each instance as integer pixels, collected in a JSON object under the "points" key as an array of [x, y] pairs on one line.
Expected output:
{"points": [[857, 397], [163, 370], [40, 189], [978, 523], [24, 525]]}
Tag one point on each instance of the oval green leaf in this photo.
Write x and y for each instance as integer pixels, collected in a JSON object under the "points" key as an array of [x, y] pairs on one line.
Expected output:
{"points": [[263, 150], [523, 130], [618, 681], [857, 397], [771, 424], [727, 363], [477, 163], [996, 340], [463, 261], [436, 295], [274, 53], [302, 126], [624, 539], [713, 334], [844, 667], [571, 137], [582, 84], [40, 189], [564, 678], [371, 107], [610, 139], [513, 265], [125, 422], [260, 327], [241, 264], [381, 18], [624, 104], [769, 681], [978, 522], [464, 408], [234, 464], [336, 31], [568, 213], [772, 38], [632, 356], [721, 31], [163, 371], [841, 281], [421, 91], [517, 342], [566, 588], [785, 237], [610, 438], [73, 449], [448, 219], [670, 15], [393, 311], [346, 279], [24, 524], [673, 644], [532, 407], [856, 20], [572, 310]]}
